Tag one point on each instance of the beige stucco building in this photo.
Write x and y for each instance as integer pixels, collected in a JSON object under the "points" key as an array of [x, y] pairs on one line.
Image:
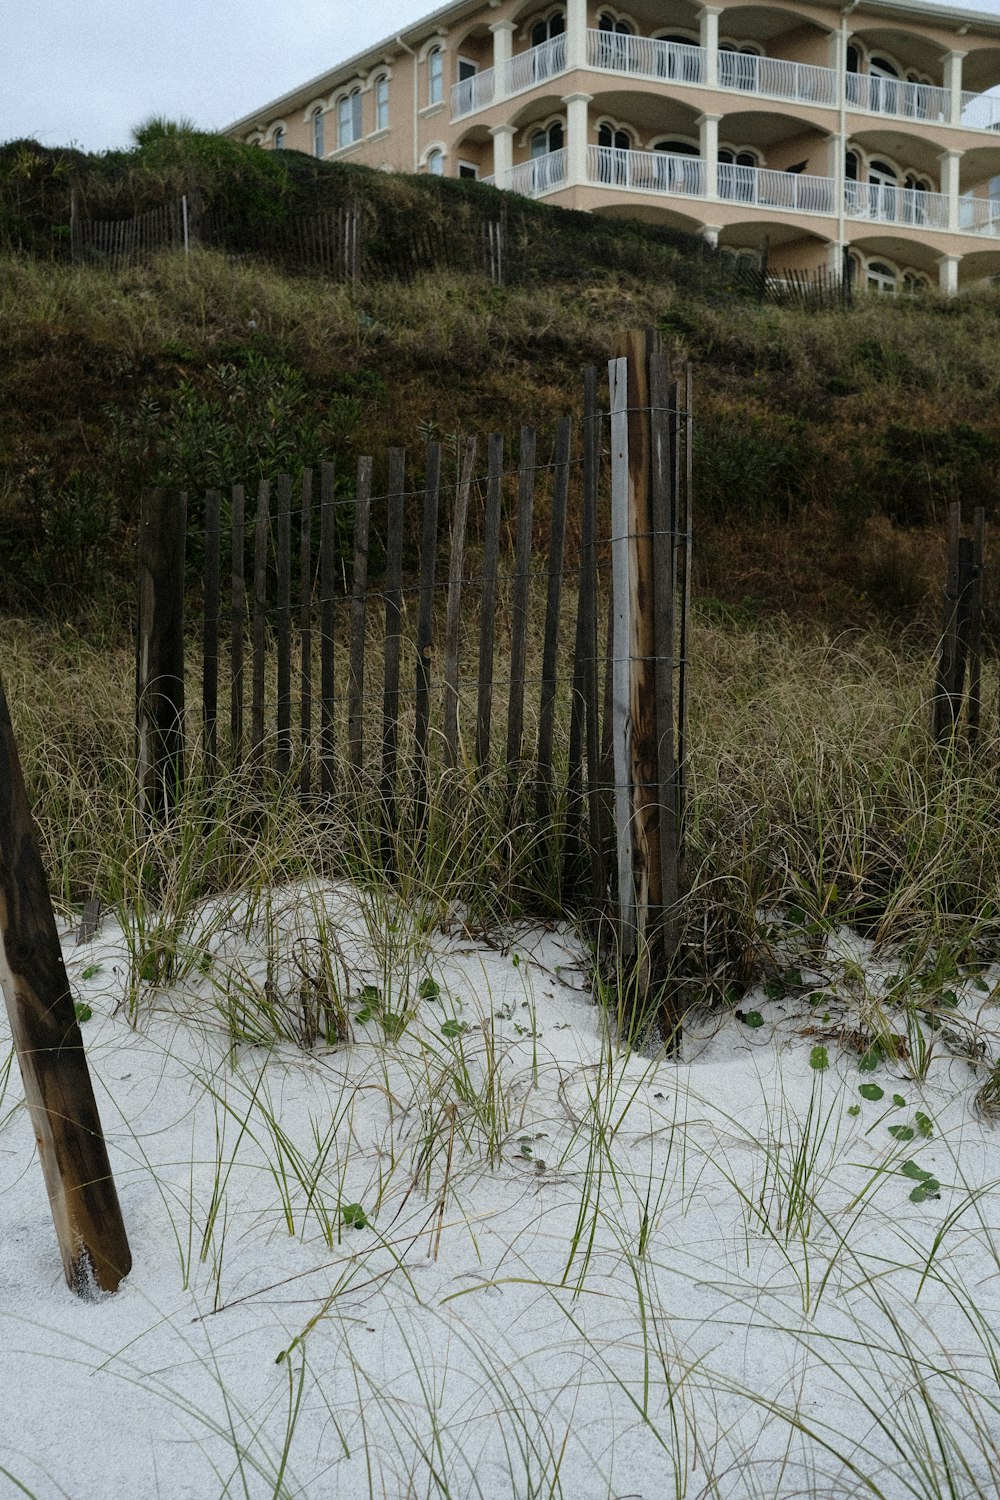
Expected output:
{"points": [[816, 125]]}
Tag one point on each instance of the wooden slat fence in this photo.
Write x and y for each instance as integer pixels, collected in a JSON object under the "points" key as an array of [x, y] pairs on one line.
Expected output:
{"points": [[453, 625]]}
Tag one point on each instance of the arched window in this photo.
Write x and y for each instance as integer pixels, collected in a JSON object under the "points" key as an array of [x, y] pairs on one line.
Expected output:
{"points": [[676, 148], [317, 124], [382, 102], [435, 76], [544, 31], [349, 118], [545, 141], [607, 22], [435, 163], [879, 277], [737, 158], [619, 140], [279, 139]]}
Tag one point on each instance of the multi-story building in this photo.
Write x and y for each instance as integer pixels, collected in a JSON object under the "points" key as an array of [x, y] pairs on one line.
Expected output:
{"points": [[823, 128]]}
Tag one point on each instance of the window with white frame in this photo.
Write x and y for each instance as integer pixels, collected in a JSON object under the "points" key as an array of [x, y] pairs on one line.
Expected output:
{"points": [[382, 102], [349, 118], [435, 76], [552, 138], [279, 138], [435, 162], [546, 28], [468, 169], [318, 131], [880, 277]]}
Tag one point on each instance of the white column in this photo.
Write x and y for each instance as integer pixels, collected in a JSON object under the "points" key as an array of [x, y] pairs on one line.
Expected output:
{"points": [[953, 83], [708, 29], [503, 153], [948, 274], [710, 234], [503, 50], [577, 134], [576, 34], [950, 161], [708, 150]]}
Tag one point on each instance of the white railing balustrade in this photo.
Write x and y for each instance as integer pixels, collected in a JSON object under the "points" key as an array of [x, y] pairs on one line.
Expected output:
{"points": [[472, 93], [645, 57], [768, 189], [981, 111], [895, 96], [535, 65], [979, 216], [777, 78], [886, 203], [540, 175], [646, 171]]}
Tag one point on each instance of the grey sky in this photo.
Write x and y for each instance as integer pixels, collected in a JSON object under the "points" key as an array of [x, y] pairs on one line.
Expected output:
{"points": [[83, 72]]}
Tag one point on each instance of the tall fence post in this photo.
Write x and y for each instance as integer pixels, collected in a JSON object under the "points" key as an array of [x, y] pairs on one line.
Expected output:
{"points": [[46, 1034], [962, 630], [159, 686], [644, 770]]}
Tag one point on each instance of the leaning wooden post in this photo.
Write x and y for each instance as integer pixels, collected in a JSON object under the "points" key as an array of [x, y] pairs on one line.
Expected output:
{"points": [[57, 1087], [159, 681]]}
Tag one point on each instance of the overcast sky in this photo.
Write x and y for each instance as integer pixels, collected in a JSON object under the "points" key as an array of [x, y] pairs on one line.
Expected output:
{"points": [[83, 72]]}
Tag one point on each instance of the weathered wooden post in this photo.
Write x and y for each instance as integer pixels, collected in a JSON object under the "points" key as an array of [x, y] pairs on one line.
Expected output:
{"points": [[961, 633], [159, 675], [643, 518], [57, 1087]]}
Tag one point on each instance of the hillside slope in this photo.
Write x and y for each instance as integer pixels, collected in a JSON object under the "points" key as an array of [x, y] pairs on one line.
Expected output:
{"points": [[829, 444]]}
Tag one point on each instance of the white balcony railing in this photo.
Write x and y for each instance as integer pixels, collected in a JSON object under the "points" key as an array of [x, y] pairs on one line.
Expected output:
{"points": [[887, 204], [979, 216], [776, 78], [646, 171], [981, 111], [543, 174], [757, 187], [742, 72], [766, 188], [645, 57], [472, 94], [536, 65], [895, 96]]}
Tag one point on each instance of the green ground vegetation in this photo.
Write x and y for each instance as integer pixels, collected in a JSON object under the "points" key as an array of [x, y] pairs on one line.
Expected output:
{"points": [[829, 445]]}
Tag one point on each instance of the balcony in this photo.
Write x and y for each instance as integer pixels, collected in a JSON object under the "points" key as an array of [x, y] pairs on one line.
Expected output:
{"points": [[519, 74], [894, 96], [541, 175], [673, 176], [762, 187], [738, 72], [980, 112], [886, 204], [646, 171], [472, 94], [645, 57]]}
